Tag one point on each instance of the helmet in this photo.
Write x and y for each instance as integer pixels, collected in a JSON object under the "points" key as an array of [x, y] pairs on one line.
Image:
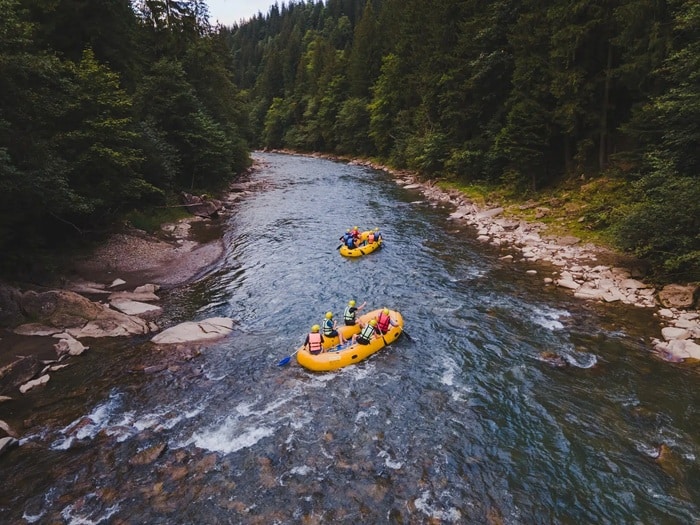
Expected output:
{"points": [[376, 229], [347, 231], [385, 311], [329, 315], [373, 322], [315, 328], [357, 227], [351, 302]]}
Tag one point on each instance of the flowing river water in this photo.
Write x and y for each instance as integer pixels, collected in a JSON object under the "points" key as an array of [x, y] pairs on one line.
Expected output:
{"points": [[459, 421]]}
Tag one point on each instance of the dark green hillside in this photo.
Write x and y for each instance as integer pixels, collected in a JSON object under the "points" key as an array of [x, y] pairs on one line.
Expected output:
{"points": [[526, 96]]}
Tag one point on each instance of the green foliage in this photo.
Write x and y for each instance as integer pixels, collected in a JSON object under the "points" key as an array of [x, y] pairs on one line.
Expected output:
{"points": [[151, 219], [427, 153], [276, 122], [663, 225], [78, 147], [351, 128]]}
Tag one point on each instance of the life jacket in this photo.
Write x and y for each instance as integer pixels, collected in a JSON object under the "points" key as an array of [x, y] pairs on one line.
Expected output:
{"points": [[355, 234], [349, 315], [383, 322], [350, 242], [366, 333], [328, 327], [315, 343], [370, 238]]}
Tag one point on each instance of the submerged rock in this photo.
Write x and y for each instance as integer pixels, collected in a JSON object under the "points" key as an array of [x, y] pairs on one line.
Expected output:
{"points": [[553, 360]]}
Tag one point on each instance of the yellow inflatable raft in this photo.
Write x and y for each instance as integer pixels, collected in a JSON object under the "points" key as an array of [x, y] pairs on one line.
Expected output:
{"points": [[333, 357], [361, 250]]}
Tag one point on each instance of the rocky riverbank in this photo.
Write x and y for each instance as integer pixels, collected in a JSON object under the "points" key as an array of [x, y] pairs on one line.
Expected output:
{"points": [[111, 292], [590, 272]]}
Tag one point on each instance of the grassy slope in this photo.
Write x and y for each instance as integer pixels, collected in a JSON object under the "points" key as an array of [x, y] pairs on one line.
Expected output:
{"points": [[584, 208]]}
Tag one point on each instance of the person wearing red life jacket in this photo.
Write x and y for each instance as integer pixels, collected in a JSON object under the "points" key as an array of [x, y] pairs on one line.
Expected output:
{"points": [[384, 321], [314, 340], [355, 232]]}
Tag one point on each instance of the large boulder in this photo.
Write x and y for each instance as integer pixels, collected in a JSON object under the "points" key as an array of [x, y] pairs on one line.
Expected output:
{"points": [[679, 296], [193, 331], [17, 372], [10, 312], [77, 315], [202, 206]]}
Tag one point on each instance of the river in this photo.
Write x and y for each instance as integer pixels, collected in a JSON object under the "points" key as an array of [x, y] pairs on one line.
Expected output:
{"points": [[459, 421]]}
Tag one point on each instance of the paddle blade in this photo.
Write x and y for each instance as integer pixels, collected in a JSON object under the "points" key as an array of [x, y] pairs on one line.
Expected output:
{"points": [[285, 361], [339, 247]]}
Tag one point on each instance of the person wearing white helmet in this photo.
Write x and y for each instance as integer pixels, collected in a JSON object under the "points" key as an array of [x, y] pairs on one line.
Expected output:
{"points": [[351, 311]]}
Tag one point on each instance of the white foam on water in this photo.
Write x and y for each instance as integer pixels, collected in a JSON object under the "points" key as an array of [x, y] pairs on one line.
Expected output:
{"points": [[230, 437], [87, 427], [450, 515], [109, 418], [581, 359], [32, 518], [548, 318], [366, 414], [451, 377], [244, 409], [448, 377], [71, 519], [388, 461], [303, 470]]}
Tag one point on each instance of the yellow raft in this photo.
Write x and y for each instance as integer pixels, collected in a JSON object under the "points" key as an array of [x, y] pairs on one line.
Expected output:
{"points": [[361, 250], [333, 357]]}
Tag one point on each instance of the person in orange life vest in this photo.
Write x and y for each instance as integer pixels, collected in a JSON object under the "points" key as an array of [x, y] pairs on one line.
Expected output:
{"points": [[330, 328], [369, 332], [314, 341], [351, 311], [371, 238], [384, 321]]}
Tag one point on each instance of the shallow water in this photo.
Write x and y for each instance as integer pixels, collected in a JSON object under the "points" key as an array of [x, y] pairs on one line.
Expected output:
{"points": [[459, 421]]}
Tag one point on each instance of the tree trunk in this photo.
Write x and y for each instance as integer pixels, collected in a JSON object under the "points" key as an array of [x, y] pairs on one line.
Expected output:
{"points": [[602, 147]]}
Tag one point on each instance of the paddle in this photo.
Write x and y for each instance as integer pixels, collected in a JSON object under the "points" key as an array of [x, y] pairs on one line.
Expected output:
{"points": [[287, 359]]}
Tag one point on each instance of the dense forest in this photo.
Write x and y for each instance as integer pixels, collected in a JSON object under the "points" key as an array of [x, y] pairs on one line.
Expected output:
{"points": [[115, 105]]}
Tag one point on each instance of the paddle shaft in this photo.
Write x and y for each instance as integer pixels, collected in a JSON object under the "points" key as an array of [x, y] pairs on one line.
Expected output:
{"points": [[287, 359]]}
